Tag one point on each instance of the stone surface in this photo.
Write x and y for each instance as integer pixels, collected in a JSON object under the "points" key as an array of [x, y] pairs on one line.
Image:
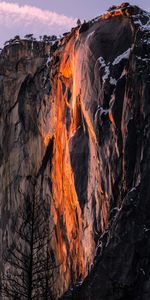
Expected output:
{"points": [[78, 122], [121, 264]]}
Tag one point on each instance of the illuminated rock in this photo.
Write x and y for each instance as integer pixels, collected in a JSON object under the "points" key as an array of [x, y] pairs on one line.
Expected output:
{"points": [[75, 116]]}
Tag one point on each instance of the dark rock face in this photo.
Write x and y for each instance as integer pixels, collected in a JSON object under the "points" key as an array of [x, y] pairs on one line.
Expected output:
{"points": [[81, 128], [121, 264]]}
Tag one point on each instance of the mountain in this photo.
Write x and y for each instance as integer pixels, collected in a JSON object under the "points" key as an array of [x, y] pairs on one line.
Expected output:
{"points": [[74, 116]]}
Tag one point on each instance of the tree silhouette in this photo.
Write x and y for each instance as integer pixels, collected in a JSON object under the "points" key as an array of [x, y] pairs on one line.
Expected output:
{"points": [[78, 22], [30, 262], [29, 36], [17, 37]]}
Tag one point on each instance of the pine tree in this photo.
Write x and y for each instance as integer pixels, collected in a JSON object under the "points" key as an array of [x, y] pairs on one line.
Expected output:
{"points": [[29, 263], [78, 22]]}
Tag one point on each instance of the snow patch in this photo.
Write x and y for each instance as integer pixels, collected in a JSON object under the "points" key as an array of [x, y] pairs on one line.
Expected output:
{"points": [[113, 81], [48, 61], [143, 59], [133, 189], [146, 229], [145, 28], [106, 68], [147, 41], [101, 110], [102, 62], [90, 34], [137, 21], [142, 270], [124, 55]]}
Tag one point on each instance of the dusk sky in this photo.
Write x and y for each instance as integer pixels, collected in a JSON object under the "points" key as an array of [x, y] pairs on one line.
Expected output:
{"points": [[50, 16]]}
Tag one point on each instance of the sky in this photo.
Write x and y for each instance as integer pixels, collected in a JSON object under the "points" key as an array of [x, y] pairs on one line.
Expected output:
{"points": [[20, 17]]}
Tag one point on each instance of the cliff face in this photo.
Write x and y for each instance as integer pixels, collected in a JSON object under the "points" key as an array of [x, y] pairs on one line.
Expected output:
{"points": [[25, 113], [117, 87], [90, 99]]}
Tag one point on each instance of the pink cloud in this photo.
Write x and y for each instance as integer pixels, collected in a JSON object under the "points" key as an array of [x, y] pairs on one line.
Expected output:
{"points": [[11, 15]]}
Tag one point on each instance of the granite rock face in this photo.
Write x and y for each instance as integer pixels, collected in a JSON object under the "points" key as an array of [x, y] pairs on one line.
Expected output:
{"points": [[120, 268], [75, 116]]}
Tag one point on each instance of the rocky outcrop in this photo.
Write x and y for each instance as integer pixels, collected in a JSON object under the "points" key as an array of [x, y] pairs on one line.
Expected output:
{"points": [[25, 111], [75, 116]]}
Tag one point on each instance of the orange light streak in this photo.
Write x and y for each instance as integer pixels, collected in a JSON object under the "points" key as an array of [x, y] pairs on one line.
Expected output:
{"points": [[115, 13]]}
